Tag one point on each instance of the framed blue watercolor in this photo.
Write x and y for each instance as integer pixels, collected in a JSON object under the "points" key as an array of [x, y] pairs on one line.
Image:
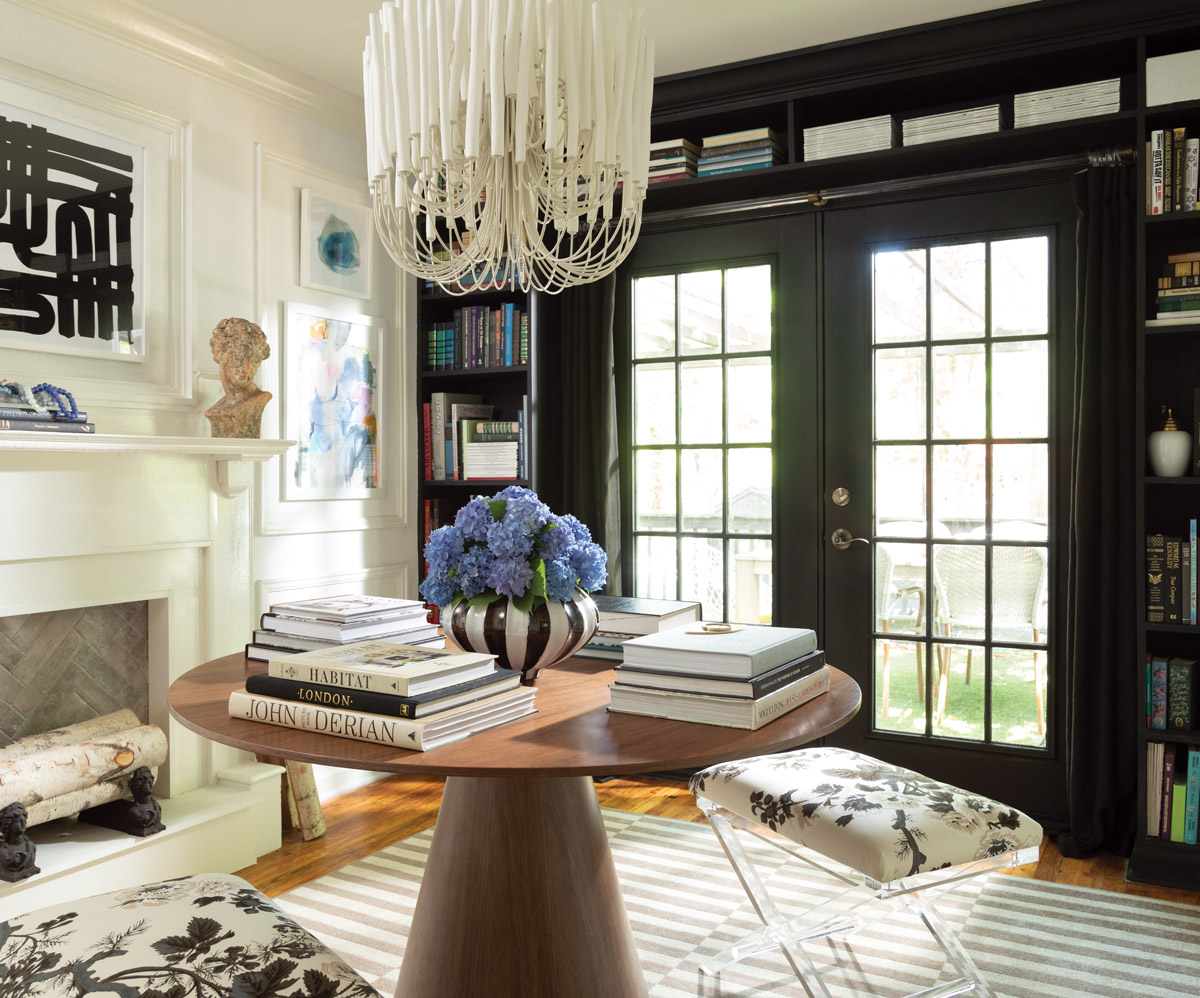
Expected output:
{"points": [[335, 245], [331, 402]]}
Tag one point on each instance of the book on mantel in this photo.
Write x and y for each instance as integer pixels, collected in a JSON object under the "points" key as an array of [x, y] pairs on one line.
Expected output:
{"points": [[738, 654]]}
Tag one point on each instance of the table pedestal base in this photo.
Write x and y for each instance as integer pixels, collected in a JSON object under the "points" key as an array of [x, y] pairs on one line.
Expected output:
{"points": [[520, 897]]}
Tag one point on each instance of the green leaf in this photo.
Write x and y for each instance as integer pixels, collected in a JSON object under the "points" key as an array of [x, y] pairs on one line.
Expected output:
{"points": [[498, 507], [523, 603], [483, 599], [537, 585]]}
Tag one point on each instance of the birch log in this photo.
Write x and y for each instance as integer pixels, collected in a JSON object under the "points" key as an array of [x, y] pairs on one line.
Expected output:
{"points": [[308, 805], [65, 805], [63, 769], [72, 734]]}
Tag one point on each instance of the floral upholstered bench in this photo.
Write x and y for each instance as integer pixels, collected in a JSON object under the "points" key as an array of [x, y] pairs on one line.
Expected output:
{"points": [[194, 937], [892, 832]]}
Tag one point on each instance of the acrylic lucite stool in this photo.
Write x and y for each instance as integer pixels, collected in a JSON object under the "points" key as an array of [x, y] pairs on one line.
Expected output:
{"points": [[891, 838]]}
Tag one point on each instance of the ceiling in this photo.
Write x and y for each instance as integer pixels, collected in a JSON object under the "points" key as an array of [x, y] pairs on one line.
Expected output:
{"points": [[323, 39]]}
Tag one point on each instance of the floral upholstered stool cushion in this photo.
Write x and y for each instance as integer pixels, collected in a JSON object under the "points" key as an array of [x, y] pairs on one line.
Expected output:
{"points": [[195, 937], [882, 820]]}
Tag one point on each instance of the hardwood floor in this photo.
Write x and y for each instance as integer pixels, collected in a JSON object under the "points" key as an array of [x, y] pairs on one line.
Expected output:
{"points": [[364, 821]]}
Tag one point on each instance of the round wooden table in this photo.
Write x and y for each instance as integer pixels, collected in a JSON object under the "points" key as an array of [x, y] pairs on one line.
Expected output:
{"points": [[519, 896]]}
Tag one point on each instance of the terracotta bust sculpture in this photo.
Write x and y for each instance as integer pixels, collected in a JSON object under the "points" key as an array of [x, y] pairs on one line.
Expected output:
{"points": [[238, 347], [16, 850]]}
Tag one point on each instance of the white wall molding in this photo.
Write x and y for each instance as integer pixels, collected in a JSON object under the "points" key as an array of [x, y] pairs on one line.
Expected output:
{"points": [[139, 27]]}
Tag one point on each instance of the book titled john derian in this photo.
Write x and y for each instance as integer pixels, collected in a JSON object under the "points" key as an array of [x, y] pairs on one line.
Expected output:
{"points": [[419, 734], [737, 654], [383, 667]]}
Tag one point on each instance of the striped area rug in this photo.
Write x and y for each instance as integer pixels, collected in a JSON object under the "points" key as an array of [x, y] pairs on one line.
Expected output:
{"points": [[1031, 939]]}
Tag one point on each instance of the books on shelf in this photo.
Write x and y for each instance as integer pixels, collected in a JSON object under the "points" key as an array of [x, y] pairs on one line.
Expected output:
{"points": [[1174, 172], [847, 138], [1173, 792], [733, 152], [1181, 692], [738, 654], [1156, 692], [383, 667], [639, 615], [952, 124], [727, 711], [393, 705], [759, 686], [478, 337], [418, 733], [1078, 100]]}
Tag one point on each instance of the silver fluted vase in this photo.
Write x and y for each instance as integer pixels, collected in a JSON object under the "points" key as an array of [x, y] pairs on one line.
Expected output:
{"points": [[524, 641]]}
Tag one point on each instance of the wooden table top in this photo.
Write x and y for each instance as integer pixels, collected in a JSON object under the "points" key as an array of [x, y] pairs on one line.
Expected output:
{"points": [[572, 734]]}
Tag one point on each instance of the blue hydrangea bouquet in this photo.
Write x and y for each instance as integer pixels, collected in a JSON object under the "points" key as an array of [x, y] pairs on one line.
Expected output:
{"points": [[511, 545]]}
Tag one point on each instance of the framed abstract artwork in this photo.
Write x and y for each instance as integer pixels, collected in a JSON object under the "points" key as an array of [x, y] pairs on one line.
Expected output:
{"points": [[72, 222], [331, 403], [335, 245]]}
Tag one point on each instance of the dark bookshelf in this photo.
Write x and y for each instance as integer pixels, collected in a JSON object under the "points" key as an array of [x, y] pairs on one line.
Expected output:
{"points": [[500, 386]]}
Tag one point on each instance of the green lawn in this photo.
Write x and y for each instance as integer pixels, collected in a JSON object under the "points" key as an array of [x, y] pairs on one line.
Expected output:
{"points": [[1014, 714]]}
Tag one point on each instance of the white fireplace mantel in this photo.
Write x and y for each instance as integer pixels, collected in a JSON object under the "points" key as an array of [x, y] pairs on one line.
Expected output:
{"points": [[97, 519], [231, 454]]}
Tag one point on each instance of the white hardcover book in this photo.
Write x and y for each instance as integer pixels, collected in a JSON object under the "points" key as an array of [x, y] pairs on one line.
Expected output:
{"points": [[352, 606], [1156, 172], [383, 667], [1191, 173], [739, 654], [419, 734], [729, 712]]}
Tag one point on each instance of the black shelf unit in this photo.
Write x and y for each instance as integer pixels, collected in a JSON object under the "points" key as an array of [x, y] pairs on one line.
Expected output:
{"points": [[1168, 359], [502, 387]]}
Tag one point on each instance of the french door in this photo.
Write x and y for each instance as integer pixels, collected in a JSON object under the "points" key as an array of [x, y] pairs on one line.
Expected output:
{"points": [[943, 482], [720, 408]]}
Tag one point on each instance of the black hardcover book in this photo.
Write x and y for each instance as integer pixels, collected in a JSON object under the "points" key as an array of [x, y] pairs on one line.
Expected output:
{"points": [[751, 689], [1173, 582], [1156, 571], [52, 425], [389, 704]]}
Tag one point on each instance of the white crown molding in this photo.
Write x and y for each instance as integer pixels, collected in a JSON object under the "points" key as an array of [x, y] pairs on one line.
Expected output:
{"points": [[132, 24]]}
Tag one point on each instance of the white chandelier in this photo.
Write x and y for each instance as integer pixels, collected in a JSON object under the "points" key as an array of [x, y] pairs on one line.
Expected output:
{"points": [[508, 140]]}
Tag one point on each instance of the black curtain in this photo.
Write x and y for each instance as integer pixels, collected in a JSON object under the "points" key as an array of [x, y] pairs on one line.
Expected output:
{"points": [[1102, 556], [577, 433]]}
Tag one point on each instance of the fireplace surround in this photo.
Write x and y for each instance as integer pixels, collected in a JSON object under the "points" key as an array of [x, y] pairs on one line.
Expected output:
{"points": [[163, 521]]}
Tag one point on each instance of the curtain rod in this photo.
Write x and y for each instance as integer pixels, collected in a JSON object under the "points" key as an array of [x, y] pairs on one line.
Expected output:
{"points": [[819, 198]]}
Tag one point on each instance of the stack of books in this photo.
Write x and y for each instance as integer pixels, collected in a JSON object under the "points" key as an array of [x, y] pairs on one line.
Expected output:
{"points": [[1080, 100], [742, 678], [333, 621], [1177, 298], [847, 138], [952, 125], [411, 697], [733, 152], [17, 415], [672, 159], [622, 618]]}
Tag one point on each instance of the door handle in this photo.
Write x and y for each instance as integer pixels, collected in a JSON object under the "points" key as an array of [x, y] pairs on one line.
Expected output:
{"points": [[842, 540]]}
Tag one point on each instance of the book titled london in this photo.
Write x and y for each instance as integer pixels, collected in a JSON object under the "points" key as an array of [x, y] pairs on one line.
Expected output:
{"points": [[382, 667], [418, 734], [422, 705]]}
